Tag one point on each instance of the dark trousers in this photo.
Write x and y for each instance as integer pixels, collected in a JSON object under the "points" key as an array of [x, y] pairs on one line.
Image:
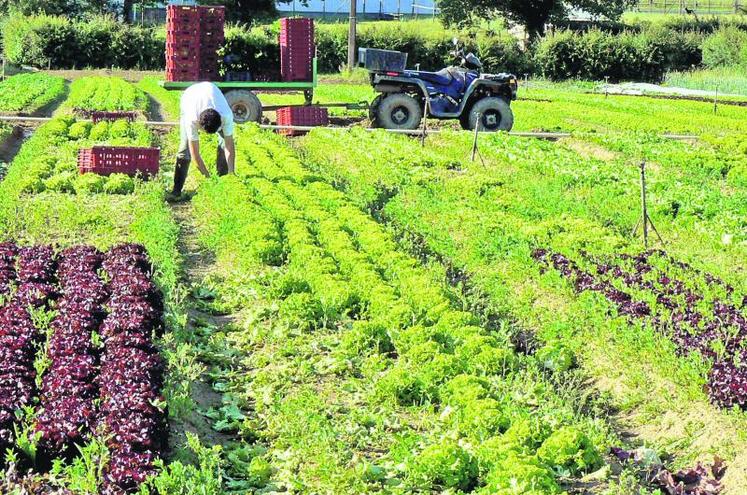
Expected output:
{"points": [[184, 159]]}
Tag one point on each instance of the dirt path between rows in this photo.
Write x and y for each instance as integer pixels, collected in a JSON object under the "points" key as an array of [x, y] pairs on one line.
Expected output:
{"points": [[197, 264], [11, 145], [155, 112]]}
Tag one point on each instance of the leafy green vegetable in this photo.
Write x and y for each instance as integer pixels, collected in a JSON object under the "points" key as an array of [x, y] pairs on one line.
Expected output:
{"points": [[446, 465], [89, 183], [119, 184], [568, 448]]}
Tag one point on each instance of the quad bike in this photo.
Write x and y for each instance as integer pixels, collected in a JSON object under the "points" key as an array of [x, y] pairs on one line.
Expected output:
{"points": [[457, 92]]}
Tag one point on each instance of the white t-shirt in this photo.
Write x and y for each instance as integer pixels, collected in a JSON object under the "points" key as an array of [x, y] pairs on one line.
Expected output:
{"points": [[198, 98]]}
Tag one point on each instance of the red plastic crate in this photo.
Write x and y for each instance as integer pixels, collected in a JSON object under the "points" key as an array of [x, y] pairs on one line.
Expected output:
{"points": [[216, 13], [301, 116], [175, 35], [107, 160], [112, 116], [182, 75], [182, 13]]}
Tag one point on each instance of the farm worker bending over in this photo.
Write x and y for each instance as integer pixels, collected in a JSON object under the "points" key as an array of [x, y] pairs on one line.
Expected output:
{"points": [[203, 107]]}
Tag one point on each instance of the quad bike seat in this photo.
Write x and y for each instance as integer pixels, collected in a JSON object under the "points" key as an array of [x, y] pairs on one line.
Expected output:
{"points": [[442, 77]]}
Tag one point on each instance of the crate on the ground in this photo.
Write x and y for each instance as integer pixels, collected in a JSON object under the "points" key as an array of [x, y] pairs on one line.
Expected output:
{"points": [[297, 49], [306, 116], [112, 116], [107, 160]]}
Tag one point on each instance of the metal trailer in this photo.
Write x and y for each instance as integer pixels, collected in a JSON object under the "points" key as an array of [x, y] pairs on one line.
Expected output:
{"points": [[243, 100]]}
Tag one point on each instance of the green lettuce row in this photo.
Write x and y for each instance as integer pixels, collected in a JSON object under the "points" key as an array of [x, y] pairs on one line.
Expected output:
{"points": [[48, 161], [433, 344], [106, 94], [30, 92]]}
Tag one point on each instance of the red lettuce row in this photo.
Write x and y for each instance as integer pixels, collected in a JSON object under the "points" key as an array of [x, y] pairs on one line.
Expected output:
{"points": [[131, 375], [34, 269], [8, 255], [69, 384], [678, 312], [18, 337]]}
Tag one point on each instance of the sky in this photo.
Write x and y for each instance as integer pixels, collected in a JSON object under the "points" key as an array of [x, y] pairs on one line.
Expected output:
{"points": [[423, 7]]}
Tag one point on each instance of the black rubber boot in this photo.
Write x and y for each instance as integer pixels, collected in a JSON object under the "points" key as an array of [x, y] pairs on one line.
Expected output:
{"points": [[221, 165], [180, 176]]}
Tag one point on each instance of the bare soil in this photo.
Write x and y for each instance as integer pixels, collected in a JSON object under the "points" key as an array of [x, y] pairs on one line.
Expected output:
{"points": [[197, 264], [10, 147]]}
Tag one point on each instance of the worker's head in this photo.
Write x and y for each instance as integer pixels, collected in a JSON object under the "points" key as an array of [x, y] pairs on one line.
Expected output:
{"points": [[210, 121]]}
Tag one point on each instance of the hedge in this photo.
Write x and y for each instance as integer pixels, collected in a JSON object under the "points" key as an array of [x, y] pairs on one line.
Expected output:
{"points": [[60, 43], [596, 54], [640, 54], [726, 47]]}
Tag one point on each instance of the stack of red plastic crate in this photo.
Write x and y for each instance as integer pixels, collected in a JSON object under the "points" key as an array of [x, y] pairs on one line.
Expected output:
{"points": [[310, 116], [297, 49], [194, 35], [212, 21], [107, 160]]}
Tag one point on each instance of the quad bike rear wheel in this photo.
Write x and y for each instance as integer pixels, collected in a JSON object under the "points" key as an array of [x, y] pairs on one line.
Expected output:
{"points": [[399, 111], [494, 115], [245, 105], [373, 110]]}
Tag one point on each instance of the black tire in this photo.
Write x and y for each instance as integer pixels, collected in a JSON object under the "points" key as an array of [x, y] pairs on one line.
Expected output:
{"points": [[495, 115], [399, 111], [464, 118], [245, 105], [373, 109]]}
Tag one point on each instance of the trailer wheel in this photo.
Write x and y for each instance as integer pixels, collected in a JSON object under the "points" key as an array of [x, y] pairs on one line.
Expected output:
{"points": [[399, 111], [495, 115], [245, 105]]}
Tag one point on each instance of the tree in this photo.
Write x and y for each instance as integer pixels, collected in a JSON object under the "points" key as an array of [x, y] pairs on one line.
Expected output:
{"points": [[30, 7], [248, 11], [532, 14], [127, 10], [69, 8]]}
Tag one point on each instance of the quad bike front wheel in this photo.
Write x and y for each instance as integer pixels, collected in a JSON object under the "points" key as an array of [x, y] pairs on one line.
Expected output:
{"points": [[399, 111], [491, 115], [245, 105]]}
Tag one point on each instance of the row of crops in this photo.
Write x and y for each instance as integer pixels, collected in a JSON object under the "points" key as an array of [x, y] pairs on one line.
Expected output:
{"points": [[358, 356]]}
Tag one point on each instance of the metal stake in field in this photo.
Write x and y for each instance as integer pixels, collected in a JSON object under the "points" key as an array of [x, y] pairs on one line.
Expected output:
{"points": [[475, 148], [715, 101], [425, 123], [606, 87], [645, 219]]}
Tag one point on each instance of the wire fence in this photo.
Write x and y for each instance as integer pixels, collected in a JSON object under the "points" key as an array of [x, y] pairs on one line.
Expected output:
{"points": [[696, 7]]}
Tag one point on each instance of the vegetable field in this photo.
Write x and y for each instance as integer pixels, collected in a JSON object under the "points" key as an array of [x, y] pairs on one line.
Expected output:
{"points": [[359, 312]]}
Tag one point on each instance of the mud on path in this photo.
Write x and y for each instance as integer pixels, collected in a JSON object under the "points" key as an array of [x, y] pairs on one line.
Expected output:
{"points": [[197, 264]]}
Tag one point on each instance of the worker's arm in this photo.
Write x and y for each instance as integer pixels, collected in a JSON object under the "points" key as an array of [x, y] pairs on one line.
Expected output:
{"points": [[230, 149], [194, 149]]}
